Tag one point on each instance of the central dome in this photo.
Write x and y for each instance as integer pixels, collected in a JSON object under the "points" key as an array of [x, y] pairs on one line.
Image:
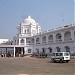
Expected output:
{"points": [[29, 20]]}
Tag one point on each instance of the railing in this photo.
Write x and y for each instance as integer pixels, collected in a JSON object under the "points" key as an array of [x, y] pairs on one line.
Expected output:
{"points": [[21, 43], [67, 39], [37, 43], [25, 35], [50, 41], [58, 40], [29, 43], [44, 42]]}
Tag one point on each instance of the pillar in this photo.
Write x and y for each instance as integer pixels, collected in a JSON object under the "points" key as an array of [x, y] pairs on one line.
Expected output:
{"points": [[25, 41], [54, 37], [62, 33], [19, 41], [34, 41], [46, 38], [14, 51], [24, 51], [72, 34], [6, 51], [40, 39]]}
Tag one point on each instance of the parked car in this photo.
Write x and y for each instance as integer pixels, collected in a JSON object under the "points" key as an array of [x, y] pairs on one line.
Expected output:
{"points": [[60, 57]]}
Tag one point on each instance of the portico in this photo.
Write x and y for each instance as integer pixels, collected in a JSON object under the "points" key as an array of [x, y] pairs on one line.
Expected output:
{"points": [[13, 50]]}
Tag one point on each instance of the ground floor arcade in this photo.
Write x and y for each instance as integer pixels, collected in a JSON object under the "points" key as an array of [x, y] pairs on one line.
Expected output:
{"points": [[22, 50]]}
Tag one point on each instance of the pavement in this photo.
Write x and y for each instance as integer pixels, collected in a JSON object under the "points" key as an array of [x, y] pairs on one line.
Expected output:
{"points": [[35, 66]]}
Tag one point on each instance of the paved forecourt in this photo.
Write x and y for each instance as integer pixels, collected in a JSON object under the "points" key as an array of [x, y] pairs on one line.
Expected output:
{"points": [[35, 66]]}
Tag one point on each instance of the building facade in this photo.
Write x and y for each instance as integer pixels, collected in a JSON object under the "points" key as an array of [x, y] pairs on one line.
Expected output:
{"points": [[30, 39], [55, 40]]}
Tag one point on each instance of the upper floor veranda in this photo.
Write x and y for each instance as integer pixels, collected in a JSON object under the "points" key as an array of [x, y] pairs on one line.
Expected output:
{"points": [[57, 35]]}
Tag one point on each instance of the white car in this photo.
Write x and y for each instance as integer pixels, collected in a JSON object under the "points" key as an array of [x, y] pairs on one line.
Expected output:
{"points": [[60, 56]]}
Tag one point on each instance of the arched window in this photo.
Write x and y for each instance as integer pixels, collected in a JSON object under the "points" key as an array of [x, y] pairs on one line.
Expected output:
{"points": [[58, 49], [43, 50], [67, 49], [50, 50], [37, 50], [29, 50], [22, 41], [25, 31], [32, 40]]}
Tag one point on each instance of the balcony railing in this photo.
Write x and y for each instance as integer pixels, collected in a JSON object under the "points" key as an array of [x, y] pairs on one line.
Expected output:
{"points": [[21, 43], [50, 41], [25, 35], [37, 43], [67, 39], [58, 40], [44, 42], [29, 43]]}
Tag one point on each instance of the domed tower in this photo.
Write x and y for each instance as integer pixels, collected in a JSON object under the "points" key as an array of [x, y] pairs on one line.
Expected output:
{"points": [[28, 27]]}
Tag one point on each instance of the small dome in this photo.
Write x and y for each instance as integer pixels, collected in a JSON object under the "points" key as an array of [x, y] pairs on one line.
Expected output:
{"points": [[29, 20]]}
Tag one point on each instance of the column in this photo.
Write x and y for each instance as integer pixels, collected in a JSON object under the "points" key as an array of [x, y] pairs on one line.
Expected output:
{"points": [[25, 41], [72, 34], [47, 39], [40, 39], [24, 51], [19, 41], [62, 33], [34, 41], [6, 52], [54, 37], [14, 51], [16, 41]]}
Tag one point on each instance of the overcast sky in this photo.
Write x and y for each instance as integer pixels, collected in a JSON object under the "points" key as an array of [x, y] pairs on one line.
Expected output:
{"points": [[48, 13]]}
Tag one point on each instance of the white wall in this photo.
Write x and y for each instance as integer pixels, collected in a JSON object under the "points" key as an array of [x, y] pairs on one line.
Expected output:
{"points": [[3, 40]]}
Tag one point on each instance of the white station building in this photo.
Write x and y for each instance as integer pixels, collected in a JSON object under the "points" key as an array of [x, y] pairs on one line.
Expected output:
{"points": [[30, 39]]}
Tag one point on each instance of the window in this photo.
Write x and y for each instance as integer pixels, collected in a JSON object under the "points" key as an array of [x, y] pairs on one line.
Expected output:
{"points": [[20, 31], [58, 49], [25, 31], [29, 50], [22, 41], [50, 50]]}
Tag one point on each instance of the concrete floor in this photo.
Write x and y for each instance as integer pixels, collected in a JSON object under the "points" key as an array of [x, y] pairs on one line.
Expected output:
{"points": [[35, 66]]}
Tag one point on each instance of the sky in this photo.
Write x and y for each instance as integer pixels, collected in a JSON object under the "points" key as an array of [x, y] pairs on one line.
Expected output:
{"points": [[48, 13]]}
